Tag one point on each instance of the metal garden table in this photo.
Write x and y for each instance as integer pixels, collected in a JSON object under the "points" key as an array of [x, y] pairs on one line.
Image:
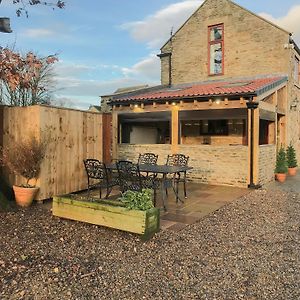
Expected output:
{"points": [[164, 170]]}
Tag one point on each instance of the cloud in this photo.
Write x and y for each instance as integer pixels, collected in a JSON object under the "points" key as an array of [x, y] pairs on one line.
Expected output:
{"points": [[62, 68], [39, 33], [56, 30], [289, 22], [148, 69], [77, 93], [155, 29], [80, 85]]}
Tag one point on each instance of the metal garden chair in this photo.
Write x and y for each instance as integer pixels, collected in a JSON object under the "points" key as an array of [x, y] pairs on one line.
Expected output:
{"points": [[148, 159], [182, 161], [98, 176], [131, 179]]}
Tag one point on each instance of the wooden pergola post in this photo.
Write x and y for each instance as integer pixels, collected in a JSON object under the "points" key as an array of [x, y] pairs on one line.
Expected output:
{"points": [[114, 135], [253, 143], [174, 129]]}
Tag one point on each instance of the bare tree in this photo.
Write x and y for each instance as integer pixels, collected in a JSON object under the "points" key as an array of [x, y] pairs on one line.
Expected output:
{"points": [[22, 5], [25, 80]]}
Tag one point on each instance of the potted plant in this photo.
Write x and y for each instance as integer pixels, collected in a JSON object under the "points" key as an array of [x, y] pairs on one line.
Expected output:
{"points": [[291, 160], [24, 159], [281, 165]]}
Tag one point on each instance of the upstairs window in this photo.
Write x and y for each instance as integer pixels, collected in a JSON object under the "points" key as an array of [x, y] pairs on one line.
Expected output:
{"points": [[216, 49], [296, 70]]}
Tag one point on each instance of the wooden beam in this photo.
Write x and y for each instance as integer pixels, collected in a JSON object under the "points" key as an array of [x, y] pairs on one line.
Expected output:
{"points": [[106, 137], [255, 148], [281, 132], [267, 106], [267, 115], [275, 98], [270, 92], [201, 105], [115, 135], [272, 133], [174, 129]]}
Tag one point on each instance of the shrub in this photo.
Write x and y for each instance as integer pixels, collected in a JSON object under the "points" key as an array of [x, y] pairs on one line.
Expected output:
{"points": [[138, 200], [281, 163], [291, 157], [24, 158]]}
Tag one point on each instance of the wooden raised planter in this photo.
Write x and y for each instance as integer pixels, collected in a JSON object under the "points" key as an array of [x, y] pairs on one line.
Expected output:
{"points": [[107, 213]]}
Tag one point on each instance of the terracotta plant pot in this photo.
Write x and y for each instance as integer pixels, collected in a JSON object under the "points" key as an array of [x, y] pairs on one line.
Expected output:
{"points": [[24, 196], [292, 171], [281, 177]]}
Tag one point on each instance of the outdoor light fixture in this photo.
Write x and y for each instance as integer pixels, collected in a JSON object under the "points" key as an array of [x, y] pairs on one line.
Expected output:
{"points": [[294, 104], [174, 103], [5, 25], [136, 105], [217, 101]]}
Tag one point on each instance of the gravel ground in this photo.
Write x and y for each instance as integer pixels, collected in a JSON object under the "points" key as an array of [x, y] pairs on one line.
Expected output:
{"points": [[249, 249]]}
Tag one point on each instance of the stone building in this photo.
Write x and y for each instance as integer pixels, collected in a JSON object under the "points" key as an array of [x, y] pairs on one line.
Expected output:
{"points": [[228, 98]]}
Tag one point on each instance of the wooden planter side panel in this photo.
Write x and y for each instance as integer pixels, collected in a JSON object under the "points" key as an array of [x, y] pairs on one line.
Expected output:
{"points": [[145, 223], [73, 136]]}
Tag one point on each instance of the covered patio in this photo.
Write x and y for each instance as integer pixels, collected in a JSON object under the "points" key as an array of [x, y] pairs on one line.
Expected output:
{"points": [[230, 129]]}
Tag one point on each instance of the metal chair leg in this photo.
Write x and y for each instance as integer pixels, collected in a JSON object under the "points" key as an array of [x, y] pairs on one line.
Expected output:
{"points": [[108, 191], [177, 190], [184, 186]]}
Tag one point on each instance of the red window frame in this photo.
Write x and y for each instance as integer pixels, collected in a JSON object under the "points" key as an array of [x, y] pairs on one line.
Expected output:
{"points": [[221, 25]]}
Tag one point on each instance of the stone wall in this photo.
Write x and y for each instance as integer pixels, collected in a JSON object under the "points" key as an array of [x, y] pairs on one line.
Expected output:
{"points": [[266, 163], [252, 46], [220, 165], [293, 107], [131, 152]]}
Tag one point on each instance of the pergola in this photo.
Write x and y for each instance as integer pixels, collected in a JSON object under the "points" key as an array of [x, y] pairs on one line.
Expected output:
{"points": [[254, 99]]}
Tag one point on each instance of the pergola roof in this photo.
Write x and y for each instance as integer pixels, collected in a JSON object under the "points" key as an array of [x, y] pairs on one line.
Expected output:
{"points": [[234, 87]]}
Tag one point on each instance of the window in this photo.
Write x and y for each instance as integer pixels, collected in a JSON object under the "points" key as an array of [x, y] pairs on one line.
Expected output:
{"points": [[266, 132], [296, 70], [216, 49], [212, 127], [145, 133], [214, 132]]}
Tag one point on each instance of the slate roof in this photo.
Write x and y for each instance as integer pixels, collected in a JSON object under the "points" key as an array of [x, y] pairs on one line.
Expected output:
{"points": [[234, 87]]}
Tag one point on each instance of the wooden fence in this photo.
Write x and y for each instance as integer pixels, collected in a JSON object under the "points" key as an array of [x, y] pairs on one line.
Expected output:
{"points": [[72, 136]]}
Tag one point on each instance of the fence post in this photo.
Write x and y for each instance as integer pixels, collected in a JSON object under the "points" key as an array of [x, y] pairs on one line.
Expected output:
{"points": [[107, 137]]}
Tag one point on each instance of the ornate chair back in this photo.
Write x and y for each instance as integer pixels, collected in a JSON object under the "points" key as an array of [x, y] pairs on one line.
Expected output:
{"points": [[95, 169], [129, 176], [148, 158], [177, 160]]}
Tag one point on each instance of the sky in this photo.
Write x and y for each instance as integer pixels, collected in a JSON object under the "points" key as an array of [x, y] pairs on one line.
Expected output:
{"points": [[103, 45]]}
